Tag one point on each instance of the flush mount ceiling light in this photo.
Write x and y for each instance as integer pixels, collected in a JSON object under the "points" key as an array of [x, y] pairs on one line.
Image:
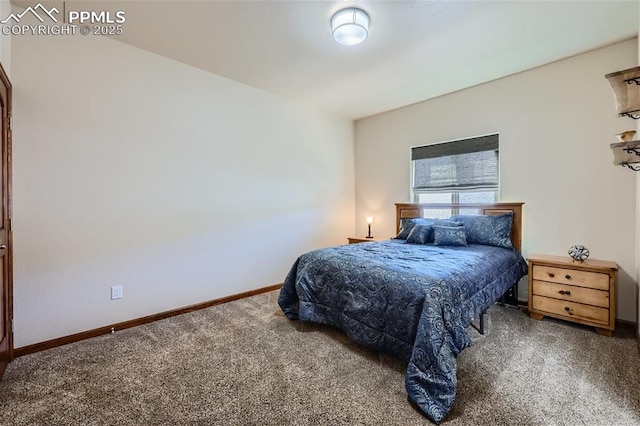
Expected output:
{"points": [[350, 26]]}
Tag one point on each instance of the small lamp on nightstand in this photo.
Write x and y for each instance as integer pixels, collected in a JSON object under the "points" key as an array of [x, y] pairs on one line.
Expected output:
{"points": [[369, 222]]}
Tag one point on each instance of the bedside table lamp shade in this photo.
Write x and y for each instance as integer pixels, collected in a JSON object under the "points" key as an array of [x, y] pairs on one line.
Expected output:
{"points": [[369, 222]]}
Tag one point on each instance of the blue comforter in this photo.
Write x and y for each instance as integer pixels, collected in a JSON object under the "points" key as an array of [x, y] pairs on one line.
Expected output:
{"points": [[411, 301]]}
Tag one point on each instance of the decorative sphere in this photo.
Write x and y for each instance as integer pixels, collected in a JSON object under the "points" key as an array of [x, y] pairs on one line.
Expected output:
{"points": [[579, 252]]}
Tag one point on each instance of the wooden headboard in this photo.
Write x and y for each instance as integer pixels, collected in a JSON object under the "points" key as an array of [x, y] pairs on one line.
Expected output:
{"points": [[407, 210]]}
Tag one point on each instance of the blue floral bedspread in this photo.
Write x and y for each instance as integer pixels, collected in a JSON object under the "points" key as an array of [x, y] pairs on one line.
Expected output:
{"points": [[411, 301]]}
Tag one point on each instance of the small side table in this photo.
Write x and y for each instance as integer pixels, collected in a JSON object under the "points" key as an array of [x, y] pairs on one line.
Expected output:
{"points": [[582, 292], [354, 240]]}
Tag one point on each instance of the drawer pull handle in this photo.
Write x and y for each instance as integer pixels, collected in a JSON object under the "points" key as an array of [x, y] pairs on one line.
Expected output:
{"points": [[568, 293], [568, 276], [552, 275], [566, 308]]}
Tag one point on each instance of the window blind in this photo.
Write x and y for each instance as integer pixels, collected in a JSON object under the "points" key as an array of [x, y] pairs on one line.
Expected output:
{"points": [[462, 165]]}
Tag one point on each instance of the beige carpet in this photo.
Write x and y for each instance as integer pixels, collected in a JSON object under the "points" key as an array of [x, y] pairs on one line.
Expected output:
{"points": [[244, 363]]}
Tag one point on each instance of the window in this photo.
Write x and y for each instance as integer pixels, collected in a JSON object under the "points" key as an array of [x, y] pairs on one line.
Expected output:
{"points": [[461, 171]]}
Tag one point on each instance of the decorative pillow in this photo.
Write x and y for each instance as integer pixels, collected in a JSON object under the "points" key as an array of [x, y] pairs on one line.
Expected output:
{"points": [[421, 234], [449, 235], [407, 224], [490, 230]]}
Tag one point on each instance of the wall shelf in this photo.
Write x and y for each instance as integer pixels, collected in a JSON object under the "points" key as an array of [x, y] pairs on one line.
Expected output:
{"points": [[626, 89], [627, 154]]}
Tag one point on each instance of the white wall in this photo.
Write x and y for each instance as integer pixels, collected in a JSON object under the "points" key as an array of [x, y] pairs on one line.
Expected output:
{"points": [[555, 123], [5, 40], [133, 169]]}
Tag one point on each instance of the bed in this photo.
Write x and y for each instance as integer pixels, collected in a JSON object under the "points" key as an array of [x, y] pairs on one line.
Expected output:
{"points": [[414, 298]]}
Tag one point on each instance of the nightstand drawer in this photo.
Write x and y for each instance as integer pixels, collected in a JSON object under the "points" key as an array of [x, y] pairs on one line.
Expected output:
{"points": [[571, 293], [571, 277], [571, 310]]}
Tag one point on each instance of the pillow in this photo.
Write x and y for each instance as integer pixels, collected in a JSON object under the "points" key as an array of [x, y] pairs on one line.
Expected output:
{"points": [[407, 224], [449, 235], [445, 222], [420, 234], [490, 230]]}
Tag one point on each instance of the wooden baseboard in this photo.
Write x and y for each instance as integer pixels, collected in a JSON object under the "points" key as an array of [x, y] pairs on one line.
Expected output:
{"points": [[625, 324], [37, 347]]}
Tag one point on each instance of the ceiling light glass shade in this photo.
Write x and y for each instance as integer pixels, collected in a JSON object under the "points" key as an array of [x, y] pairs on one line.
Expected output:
{"points": [[350, 26]]}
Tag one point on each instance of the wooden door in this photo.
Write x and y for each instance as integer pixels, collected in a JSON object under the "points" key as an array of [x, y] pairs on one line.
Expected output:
{"points": [[6, 237]]}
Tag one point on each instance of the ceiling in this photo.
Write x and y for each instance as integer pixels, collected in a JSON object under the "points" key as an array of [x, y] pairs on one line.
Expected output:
{"points": [[416, 50]]}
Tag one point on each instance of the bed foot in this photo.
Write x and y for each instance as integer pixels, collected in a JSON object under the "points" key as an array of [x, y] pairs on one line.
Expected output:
{"points": [[480, 326]]}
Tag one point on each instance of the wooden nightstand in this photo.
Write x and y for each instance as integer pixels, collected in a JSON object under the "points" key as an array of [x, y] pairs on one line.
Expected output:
{"points": [[582, 292], [353, 240]]}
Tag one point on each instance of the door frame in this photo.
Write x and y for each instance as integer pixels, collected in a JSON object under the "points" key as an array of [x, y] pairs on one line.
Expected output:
{"points": [[8, 317]]}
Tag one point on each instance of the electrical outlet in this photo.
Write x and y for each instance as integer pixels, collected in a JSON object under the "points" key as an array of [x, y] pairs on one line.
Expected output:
{"points": [[116, 292]]}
